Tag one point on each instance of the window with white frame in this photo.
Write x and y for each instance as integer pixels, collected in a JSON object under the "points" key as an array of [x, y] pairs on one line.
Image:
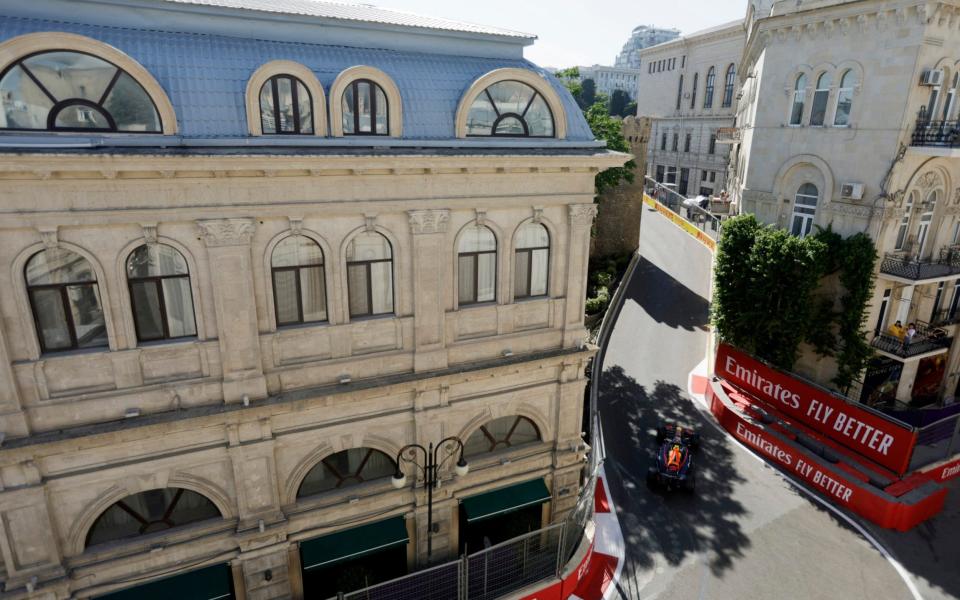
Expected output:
{"points": [[848, 81], [818, 111], [926, 217], [904, 224], [804, 210], [799, 90], [950, 100]]}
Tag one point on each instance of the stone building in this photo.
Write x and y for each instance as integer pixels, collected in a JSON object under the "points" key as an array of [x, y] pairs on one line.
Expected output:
{"points": [[642, 36], [248, 255], [609, 79], [688, 87], [849, 119]]}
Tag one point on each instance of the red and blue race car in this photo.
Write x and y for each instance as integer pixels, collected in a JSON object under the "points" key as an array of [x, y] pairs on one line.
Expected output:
{"points": [[674, 467]]}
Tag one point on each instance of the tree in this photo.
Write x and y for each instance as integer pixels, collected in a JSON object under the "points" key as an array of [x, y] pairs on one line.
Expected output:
{"points": [[630, 110], [608, 129], [570, 78], [618, 102], [588, 93]]}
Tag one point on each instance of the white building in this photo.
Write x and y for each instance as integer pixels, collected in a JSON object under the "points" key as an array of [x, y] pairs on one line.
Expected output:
{"points": [[688, 87], [642, 36], [849, 119], [608, 79]]}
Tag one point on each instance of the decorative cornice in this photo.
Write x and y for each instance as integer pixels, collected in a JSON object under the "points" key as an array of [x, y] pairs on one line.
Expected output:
{"points": [[428, 221], [581, 215], [227, 232]]}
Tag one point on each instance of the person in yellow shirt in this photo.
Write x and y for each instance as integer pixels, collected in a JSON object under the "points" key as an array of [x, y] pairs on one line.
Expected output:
{"points": [[897, 330]]}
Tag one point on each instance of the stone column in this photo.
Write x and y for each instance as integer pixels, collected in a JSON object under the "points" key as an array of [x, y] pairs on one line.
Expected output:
{"points": [[13, 421], [578, 256], [429, 228], [907, 378], [903, 308], [231, 272]]}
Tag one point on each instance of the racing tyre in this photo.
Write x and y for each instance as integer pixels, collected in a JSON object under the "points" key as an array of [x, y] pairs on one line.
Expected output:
{"points": [[661, 434], [690, 483], [651, 478]]}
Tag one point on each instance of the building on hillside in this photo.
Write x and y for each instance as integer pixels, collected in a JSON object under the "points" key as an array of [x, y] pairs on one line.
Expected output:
{"points": [[238, 275], [608, 79], [688, 87], [849, 119], [642, 36]]}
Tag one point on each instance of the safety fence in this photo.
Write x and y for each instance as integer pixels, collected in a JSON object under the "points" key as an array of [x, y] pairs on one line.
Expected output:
{"points": [[697, 212], [938, 440]]}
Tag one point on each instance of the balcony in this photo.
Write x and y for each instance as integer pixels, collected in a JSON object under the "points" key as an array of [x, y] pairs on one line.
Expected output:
{"points": [[928, 341], [938, 134], [945, 317], [913, 270]]}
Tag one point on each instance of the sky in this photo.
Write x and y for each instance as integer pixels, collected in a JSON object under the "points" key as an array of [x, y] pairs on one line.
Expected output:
{"points": [[577, 32]]}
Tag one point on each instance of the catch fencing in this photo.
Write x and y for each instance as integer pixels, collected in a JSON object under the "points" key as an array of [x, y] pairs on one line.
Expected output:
{"points": [[703, 219]]}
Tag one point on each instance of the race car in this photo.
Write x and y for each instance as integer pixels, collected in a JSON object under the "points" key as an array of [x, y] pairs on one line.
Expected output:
{"points": [[674, 468]]}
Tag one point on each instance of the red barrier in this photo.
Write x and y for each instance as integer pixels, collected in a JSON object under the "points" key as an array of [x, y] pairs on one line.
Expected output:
{"points": [[561, 590], [867, 434], [944, 471], [842, 489]]}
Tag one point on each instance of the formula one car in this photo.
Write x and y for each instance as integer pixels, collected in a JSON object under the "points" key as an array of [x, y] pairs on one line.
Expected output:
{"points": [[674, 468]]}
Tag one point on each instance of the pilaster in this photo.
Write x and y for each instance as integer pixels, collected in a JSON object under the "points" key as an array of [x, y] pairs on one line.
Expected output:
{"points": [[429, 228], [578, 254], [13, 421], [27, 540]]}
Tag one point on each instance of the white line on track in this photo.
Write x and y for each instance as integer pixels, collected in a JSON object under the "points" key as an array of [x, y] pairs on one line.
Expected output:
{"points": [[901, 571]]}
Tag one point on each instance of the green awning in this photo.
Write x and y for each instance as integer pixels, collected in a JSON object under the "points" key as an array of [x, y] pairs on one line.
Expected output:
{"points": [[352, 543], [506, 500], [210, 583]]}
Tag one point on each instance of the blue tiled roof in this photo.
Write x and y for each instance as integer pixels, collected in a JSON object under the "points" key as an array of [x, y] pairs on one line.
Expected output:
{"points": [[205, 76]]}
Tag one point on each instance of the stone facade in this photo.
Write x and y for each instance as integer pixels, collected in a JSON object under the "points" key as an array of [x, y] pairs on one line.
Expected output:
{"points": [[875, 167], [621, 207], [608, 79], [684, 89], [241, 412], [642, 36]]}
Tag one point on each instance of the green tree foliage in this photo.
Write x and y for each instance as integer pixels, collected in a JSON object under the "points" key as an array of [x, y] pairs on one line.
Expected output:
{"points": [[570, 78], [630, 110], [618, 103], [608, 129], [588, 93], [771, 294]]}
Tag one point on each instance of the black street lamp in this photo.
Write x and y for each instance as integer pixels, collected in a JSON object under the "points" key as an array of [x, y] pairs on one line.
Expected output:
{"points": [[429, 470]]}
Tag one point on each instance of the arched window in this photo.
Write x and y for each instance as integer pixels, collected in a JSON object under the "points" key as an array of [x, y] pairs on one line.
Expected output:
{"points": [[799, 89], [693, 91], [934, 101], [150, 512], [510, 108], [73, 91], [369, 275], [347, 468], [501, 434], [477, 266], [845, 98], [364, 109], [818, 112], [532, 261], [728, 85], [804, 209], [905, 222], [65, 300], [680, 91], [285, 106], [708, 89], [926, 217], [299, 287], [950, 100], [160, 293]]}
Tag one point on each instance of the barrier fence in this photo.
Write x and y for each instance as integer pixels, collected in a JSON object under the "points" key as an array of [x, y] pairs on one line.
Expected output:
{"points": [[703, 219], [936, 441]]}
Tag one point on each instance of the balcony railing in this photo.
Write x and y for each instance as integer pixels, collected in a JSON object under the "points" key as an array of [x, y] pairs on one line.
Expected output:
{"points": [[947, 263], [945, 317], [945, 134], [927, 339]]}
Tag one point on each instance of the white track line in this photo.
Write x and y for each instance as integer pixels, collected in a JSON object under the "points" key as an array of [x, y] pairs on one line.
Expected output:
{"points": [[901, 571], [610, 528]]}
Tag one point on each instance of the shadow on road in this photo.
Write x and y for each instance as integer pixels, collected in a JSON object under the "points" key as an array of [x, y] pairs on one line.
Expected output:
{"points": [[674, 304], [669, 525]]}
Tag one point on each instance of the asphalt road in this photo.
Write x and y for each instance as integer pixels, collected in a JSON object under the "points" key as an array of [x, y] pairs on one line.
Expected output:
{"points": [[746, 532]]}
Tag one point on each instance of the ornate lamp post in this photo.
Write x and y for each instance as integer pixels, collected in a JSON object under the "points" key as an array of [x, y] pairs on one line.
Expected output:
{"points": [[429, 468]]}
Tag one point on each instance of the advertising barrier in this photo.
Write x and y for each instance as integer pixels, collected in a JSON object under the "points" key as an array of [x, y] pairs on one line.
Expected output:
{"points": [[705, 239], [943, 472], [869, 435]]}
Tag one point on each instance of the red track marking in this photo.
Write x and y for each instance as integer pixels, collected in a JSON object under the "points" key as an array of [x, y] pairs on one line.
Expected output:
{"points": [[600, 576], [601, 505], [698, 384]]}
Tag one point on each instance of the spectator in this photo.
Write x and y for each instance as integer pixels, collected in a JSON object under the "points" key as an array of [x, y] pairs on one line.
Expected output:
{"points": [[908, 336], [897, 330]]}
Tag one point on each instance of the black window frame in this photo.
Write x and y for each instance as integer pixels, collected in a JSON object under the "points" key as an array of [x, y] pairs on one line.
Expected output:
{"points": [[708, 88], [693, 91], [65, 306], [728, 86], [680, 92], [59, 105], [354, 87], [145, 525], [519, 117], [687, 140], [476, 276], [675, 146], [356, 476], [712, 148], [158, 280], [393, 284], [294, 98]]}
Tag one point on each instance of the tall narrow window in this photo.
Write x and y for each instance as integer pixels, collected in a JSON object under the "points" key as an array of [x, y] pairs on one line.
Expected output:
{"points": [[712, 149], [676, 142], [926, 217], [881, 318], [72, 91], [904, 223], [684, 181], [285, 106], [160, 293], [933, 103], [799, 89], [845, 99], [693, 91], [364, 109], [951, 98], [936, 302], [299, 287], [955, 301], [663, 141], [818, 112], [65, 301], [510, 109], [477, 266], [680, 91], [369, 275], [686, 142], [804, 209], [708, 88], [728, 85], [532, 260]]}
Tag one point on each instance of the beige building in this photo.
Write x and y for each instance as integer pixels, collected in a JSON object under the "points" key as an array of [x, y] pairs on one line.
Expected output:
{"points": [[688, 87], [849, 119], [238, 275]]}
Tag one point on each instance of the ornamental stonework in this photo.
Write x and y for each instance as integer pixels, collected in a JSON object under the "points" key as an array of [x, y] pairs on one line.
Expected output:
{"points": [[428, 221], [581, 215], [226, 232]]}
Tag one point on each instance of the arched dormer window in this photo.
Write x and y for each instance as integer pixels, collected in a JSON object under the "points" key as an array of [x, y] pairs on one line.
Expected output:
{"points": [[150, 512], [365, 101], [512, 109], [74, 91], [708, 89], [286, 106]]}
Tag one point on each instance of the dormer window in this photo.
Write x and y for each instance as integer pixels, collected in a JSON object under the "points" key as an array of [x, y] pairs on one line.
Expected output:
{"points": [[285, 106], [365, 109], [74, 91], [510, 109]]}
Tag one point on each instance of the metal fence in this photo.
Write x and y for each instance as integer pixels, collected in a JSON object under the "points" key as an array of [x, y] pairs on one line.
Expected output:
{"points": [[938, 440], [687, 208]]}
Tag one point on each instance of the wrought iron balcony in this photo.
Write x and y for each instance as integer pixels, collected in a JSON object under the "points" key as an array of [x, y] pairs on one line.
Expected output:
{"points": [[927, 339], [944, 134], [945, 317], [901, 265]]}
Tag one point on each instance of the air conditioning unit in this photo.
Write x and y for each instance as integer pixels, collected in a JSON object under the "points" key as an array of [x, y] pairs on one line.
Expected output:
{"points": [[931, 77], [851, 191]]}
